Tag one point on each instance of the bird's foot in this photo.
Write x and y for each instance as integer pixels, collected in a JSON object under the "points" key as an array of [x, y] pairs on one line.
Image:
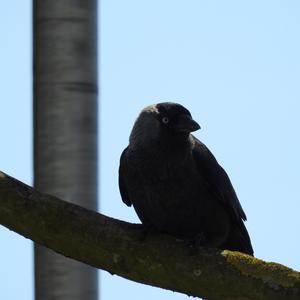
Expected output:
{"points": [[197, 241], [144, 232], [200, 240]]}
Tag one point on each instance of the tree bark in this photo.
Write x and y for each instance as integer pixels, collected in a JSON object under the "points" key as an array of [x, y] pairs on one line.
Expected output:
{"points": [[160, 260], [65, 130]]}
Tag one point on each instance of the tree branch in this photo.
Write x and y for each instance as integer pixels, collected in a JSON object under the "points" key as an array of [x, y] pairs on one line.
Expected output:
{"points": [[160, 260]]}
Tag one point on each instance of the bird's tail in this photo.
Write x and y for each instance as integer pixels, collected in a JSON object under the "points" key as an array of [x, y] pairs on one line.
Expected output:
{"points": [[239, 240]]}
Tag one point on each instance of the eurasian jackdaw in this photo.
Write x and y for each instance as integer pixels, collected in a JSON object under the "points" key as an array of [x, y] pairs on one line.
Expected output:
{"points": [[176, 185]]}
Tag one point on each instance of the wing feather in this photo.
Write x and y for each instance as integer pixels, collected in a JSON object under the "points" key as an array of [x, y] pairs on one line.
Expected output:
{"points": [[122, 178], [217, 179]]}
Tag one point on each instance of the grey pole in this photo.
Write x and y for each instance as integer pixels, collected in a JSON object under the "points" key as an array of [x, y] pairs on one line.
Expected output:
{"points": [[65, 130]]}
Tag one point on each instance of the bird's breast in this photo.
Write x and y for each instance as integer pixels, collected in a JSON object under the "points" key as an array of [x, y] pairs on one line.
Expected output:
{"points": [[172, 195], [167, 192], [167, 180]]}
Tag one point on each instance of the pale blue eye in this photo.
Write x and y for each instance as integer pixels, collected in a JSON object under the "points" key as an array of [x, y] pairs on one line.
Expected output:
{"points": [[165, 120]]}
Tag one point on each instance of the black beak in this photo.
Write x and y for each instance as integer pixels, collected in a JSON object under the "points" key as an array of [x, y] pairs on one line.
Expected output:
{"points": [[187, 124]]}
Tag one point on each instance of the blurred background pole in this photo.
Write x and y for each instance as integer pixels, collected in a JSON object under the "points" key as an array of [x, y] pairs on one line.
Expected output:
{"points": [[65, 130]]}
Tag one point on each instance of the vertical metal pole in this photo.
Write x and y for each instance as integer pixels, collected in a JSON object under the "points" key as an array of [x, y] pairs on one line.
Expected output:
{"points": [[65, 130]]}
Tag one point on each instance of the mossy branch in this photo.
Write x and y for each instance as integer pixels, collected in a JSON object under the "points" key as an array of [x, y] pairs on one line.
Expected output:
{"points": [[160, 260]]}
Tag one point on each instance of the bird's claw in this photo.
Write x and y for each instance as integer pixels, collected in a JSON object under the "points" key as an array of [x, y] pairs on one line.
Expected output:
{"points": [[194, 243], [144, 232]]}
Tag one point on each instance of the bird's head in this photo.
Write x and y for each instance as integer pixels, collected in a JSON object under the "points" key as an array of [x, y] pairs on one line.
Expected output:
{"points": [[163, 121]]}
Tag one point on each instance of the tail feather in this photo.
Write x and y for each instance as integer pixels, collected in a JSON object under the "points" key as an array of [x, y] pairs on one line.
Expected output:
{"points": [[239, 240]]}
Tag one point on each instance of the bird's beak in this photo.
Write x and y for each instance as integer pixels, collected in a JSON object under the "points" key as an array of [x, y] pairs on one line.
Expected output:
{"points": [[187, 124]]}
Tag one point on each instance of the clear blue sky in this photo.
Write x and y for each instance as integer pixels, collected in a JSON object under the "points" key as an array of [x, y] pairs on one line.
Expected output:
{"points": [[234, 64]]}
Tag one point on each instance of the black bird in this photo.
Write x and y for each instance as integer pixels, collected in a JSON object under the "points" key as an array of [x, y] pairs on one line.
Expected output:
{"points": [[176, 185]]}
